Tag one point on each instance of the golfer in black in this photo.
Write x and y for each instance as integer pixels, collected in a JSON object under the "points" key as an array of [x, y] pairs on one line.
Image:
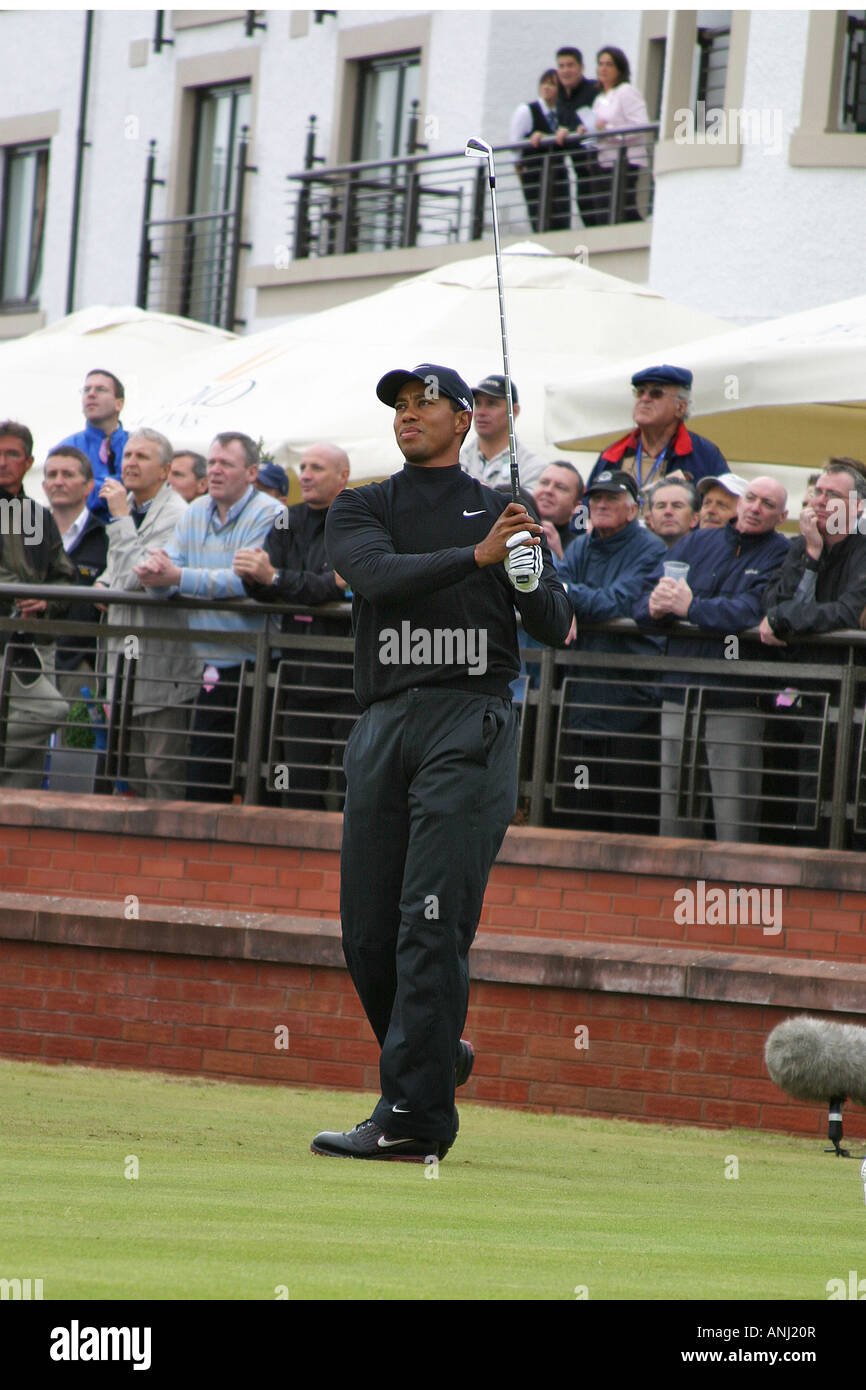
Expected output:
{"points": [[431, 764]]}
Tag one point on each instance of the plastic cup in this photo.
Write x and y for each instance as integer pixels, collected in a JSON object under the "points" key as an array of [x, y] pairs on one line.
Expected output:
{"points": [[675, 569]]}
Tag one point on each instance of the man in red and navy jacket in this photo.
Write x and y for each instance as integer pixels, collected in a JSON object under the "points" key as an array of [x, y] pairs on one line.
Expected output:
{"points": [[660, 446]]}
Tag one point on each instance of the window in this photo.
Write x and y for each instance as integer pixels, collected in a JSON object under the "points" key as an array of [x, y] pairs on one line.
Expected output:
{"points": [[852, 116], [221, 114], [22, 222], [713, 40], [386, 91]]}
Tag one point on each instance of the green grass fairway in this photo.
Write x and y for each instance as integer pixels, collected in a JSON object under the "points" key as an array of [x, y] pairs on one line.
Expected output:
{"points": [[230, 1204]]}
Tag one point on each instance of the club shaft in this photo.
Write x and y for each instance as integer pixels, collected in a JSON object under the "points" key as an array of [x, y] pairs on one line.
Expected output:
{"points": [[512, 443]]}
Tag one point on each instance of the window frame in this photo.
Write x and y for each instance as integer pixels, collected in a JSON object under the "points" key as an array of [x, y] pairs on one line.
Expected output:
{"points": [[39, 148]]}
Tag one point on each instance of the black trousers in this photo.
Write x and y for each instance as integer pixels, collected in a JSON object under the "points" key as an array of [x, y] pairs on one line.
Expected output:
{"points": [[217, 722], [432, 787]]}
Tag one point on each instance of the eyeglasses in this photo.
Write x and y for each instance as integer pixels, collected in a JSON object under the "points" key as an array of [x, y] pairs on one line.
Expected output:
{"points": [[654, 392]]}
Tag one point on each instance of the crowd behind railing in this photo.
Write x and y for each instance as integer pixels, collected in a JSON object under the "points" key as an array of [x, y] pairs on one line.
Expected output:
{"points": [[211, 657]]}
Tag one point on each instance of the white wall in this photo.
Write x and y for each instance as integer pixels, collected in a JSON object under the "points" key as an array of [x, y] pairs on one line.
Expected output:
{"points": [[765, 238]]}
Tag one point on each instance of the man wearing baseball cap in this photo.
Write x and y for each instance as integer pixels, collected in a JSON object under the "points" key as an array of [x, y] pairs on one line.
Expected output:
{"points": [[431, 765], [486, 457], [660, 446], [273, 480], [719, 497], [605, 570]]}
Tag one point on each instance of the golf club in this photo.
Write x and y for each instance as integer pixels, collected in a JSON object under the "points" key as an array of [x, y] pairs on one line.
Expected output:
{"points": [[479, 149]]}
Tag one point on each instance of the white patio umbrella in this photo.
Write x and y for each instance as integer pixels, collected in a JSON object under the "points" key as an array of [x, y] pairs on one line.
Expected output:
{"points": [[789, 392], [41, 374], [314, 378]]}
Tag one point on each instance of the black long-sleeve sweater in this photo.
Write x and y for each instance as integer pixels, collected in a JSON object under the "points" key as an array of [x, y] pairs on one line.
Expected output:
{"points": [[421, 603]]}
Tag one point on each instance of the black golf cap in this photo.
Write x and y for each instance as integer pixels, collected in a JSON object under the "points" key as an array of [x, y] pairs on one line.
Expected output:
{"points": [[613, 480], [494, 385], [665, 375], [440, 381]]}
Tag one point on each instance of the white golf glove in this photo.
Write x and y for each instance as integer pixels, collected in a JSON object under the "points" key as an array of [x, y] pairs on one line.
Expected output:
{"points": [[524, 563]]}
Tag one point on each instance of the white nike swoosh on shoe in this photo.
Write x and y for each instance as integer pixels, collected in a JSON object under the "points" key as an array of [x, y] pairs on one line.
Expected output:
{"points": [[481, 513], [398, 1110], [389, 1143]]}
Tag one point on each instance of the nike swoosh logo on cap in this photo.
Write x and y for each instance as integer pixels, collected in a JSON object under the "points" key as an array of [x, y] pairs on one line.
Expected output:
{"points": [[481, 513]]}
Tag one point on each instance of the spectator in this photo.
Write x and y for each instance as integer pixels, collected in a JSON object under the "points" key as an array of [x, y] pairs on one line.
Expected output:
{"points": [[573, 104], [31, 552], [486, 456], [293, 567], [660, 446], [822, 585], [103, 438], [604, 572], [810, 488], [145, 510], [729, 568], [672, 510], [532, 122], [188, 474], [67, 479], [274, 481], [719, 499], [558, 494], [617, 106], [197, 563]]}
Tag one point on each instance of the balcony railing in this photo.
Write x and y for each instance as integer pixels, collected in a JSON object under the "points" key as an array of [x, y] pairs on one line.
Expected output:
{"points": [[436, 200], [598, 749]]}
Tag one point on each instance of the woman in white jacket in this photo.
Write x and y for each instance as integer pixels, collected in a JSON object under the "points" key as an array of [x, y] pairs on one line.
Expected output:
{"points": [[617, 106]]}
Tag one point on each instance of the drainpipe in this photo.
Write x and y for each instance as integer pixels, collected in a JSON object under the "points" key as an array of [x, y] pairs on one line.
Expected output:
{"points": [[80, 145]]}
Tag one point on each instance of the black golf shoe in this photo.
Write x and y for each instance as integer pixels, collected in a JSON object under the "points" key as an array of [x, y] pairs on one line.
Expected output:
{"points": [[369, 1140], [465, 1062]]}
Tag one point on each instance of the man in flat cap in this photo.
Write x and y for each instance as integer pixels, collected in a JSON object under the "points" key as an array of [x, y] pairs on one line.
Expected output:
{"points": [[486, 456], [660, 446]]}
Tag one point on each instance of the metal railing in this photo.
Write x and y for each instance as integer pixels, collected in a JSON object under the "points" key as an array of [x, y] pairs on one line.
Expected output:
{"points": [[768, 749], [434, 200], [191, 265]]}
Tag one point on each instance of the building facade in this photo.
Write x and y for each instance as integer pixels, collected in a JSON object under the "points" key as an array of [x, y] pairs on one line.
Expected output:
{"points": [[171, 158]]}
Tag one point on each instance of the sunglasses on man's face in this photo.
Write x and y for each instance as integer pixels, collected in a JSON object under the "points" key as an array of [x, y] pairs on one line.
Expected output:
{"points": [[654, 392]]}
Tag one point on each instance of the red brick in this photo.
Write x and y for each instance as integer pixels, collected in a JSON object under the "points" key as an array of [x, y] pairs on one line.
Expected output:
{"points": [[153, 986], [617, 1005], [563, 1097], [149, 1032], [696, 1084], [54, 878], [75, 1049], [812, 899], [571, 923], [522, 1068], [344, 1074], [10, 972], [676, 1058], [132, 962], [498, 893], [621, 1054], [740, 1016], [211, 872], [32, 857], [509, 1091], [209, 992], [121, 1006], [727, 1112], [180, 1058], [284, 1068], [527, 1020], [238, 1063], [125, 1054], [481, 1017], [189, 967], [609, 925], [238, 893], [538, 897], [254, 873], [318, 901], [562, 878], [185, 889], [313, 1002], [646, 1032], [174, 1011], [72, 859], [639, 906], [280, 858], [30, 1043], [644, 1080], [46, 975], [308, 1046], [335, 1026], [357, 1050], [19, 997], [853, 946], [245, 1040], [288, 976], [70, 1001], [85, 1025], [615, 1102], [584, 1074], [500, 1042], [14, 877], [516, 873], [100, 982], [800, 1118], [230, 1017], [667, 1107], [270, 898], [40, 1021], [320, 859]]}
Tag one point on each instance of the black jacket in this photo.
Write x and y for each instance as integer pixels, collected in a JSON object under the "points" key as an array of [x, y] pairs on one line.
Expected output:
{"points": [[836, 600], [31, 552], [407, 548]]}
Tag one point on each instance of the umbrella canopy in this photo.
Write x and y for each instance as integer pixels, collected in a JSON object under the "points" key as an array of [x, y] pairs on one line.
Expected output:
{"points": [[788, 392], [41, 374], [314, 378]]}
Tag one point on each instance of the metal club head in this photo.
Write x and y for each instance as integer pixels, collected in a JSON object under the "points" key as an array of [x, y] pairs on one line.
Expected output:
{"points": [[479, 149]]}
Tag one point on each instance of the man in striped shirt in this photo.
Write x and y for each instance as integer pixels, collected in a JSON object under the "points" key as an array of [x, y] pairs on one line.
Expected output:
{"points": [[231, 516]]}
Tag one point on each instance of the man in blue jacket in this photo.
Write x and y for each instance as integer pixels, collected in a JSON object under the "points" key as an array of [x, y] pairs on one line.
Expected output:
{"points": [[103, 438], [728, 570], [604, 571], [660, 446]]}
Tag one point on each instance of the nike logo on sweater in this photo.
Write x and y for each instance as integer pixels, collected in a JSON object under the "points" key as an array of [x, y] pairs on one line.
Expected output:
{"points": [[481, 513]]}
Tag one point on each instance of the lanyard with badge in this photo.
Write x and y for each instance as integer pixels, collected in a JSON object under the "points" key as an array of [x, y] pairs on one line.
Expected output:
{"points": [[637, 465]]}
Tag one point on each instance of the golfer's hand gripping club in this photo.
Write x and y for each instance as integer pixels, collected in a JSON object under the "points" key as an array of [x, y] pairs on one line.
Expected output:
{"points": [[524, 563]]}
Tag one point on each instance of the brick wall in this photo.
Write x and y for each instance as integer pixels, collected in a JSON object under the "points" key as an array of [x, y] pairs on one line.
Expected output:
{"points": [[180, 938]]}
